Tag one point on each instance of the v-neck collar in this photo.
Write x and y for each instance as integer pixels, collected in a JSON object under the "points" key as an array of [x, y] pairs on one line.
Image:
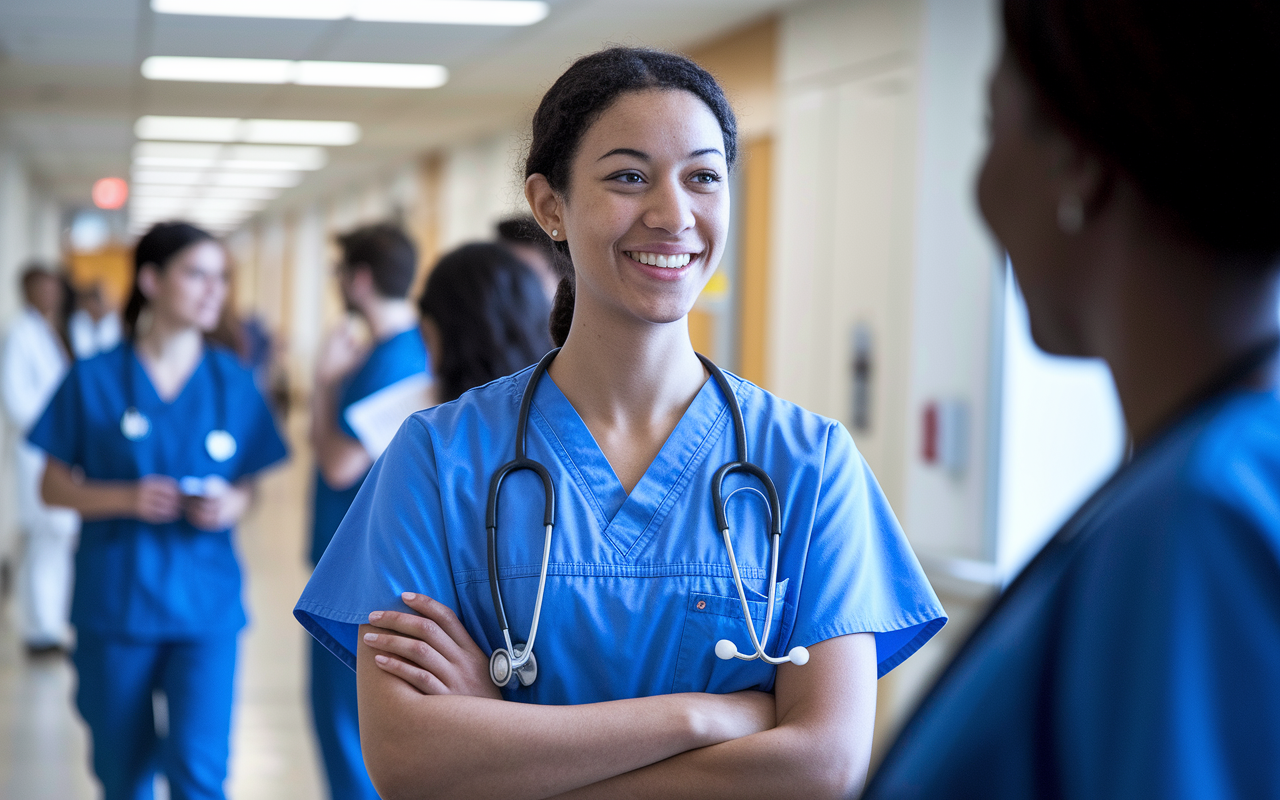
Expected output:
{"points": [[628, 522], [138, 375]]}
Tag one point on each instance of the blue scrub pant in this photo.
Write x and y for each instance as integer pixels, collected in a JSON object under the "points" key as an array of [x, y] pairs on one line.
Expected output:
{"points": [[117, 677], [333, 708]]}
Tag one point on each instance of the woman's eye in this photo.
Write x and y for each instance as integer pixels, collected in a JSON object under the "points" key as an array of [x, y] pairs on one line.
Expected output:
{"points": [[630, 178], [706, 178]]}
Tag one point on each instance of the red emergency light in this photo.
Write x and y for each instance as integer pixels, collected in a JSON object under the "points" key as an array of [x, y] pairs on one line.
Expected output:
{"points": [[110, 193]]}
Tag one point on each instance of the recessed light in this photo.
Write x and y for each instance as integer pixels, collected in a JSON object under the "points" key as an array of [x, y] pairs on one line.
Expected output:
{"points": [[304, 73], [256, 131], [439, 12]]}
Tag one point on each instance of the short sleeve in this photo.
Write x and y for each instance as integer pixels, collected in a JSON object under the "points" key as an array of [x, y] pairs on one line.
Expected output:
{"points": [[263, 443], [860, 575], [60, 429], [392, 540]]}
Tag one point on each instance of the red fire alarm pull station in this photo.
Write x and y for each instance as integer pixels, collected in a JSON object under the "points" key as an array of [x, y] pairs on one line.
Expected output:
{"points": [[944, 435]]}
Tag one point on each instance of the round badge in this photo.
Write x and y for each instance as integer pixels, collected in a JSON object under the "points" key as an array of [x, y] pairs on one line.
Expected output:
{"points": [[134, 425], [220, 444]]}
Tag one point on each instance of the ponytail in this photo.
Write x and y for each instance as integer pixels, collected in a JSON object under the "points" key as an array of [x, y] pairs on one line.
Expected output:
{"points": [[562, 311]]}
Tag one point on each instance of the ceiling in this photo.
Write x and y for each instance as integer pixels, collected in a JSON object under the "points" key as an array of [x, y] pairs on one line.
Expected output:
{"points": [[70, 86]]}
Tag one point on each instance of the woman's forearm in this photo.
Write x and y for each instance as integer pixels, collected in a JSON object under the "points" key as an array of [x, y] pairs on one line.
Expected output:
{"points": [[442, 746], [92, 499], [821, 747]]}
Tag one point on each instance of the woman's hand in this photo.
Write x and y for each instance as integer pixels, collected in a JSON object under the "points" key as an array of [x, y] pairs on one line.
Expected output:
{"points": [[432, 652], [218, 512], [156, 499]]}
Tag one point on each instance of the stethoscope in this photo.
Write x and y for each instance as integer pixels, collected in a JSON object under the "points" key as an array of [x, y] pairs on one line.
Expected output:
{"points": [[136, 426], [517, 659]]}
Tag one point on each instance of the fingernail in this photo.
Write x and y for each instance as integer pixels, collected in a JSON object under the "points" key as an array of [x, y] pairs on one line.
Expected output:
{"points": [[375, 616], [371, 637], [381, 659], [407, 596]]}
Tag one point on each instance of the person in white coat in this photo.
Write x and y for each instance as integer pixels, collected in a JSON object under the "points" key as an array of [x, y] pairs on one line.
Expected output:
{"points": [[94, 327], [34, 363]]}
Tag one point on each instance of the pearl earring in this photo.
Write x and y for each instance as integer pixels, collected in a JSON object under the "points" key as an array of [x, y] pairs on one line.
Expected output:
{"points": [[555, 232], [1070, 213]]}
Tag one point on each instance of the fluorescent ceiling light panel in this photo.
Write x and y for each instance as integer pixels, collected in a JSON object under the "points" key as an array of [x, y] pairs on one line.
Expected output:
{"points": [[192, 192], [439, 12], [218, 70], [303, 73], [274, 180], [251, 156], [253, 131], [357, 73]]}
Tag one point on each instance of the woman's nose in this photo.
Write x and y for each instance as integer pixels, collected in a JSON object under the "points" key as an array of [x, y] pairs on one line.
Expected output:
{"points": [[670, 208]]}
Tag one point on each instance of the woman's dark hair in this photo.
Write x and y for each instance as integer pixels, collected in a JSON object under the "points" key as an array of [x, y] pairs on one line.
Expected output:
{"points": [[157, 247], [1182, 96], [578, 98], [491, 313]]}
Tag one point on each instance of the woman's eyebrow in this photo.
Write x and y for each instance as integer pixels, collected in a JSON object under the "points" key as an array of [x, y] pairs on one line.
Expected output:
{"points": [[627, 151]]}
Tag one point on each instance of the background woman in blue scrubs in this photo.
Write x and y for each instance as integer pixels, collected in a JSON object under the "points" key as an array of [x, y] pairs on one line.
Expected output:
{"points": [[627, 172], [156, 443], [1134, 177]]}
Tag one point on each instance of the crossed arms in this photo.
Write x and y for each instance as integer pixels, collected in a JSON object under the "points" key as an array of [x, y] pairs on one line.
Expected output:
{"points": [[432, 724]]}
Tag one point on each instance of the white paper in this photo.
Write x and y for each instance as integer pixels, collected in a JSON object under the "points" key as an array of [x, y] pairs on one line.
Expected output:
{"points": [[376, 418]]}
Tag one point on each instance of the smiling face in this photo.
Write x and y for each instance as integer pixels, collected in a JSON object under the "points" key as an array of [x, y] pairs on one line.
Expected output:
{"points": [[191, 289], [646, 211]]}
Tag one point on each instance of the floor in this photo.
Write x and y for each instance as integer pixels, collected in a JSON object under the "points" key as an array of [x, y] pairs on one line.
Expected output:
{"points": [[43, 743]]}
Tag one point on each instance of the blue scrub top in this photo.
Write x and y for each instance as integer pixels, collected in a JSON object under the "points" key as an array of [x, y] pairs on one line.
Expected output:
{"points": [[639, 587], [1138, 656], [135, 579], [389, 362]]}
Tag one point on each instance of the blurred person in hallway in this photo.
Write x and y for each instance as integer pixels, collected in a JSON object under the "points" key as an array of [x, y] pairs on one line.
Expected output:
{"points": [[361, 397], [484, 315], [94, 326], [34, 363], [530, 244], [1133, 175], [158, 444]]}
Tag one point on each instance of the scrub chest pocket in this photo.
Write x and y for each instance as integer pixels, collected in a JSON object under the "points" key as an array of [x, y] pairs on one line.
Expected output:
{"points": [[712, 617]]}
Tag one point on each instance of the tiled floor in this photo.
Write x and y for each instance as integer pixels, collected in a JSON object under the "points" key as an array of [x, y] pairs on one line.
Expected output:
{"points": [[43, 744]]}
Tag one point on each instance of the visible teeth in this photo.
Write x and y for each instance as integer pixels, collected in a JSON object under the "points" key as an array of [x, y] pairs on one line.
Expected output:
{"points": [[662, 261]]}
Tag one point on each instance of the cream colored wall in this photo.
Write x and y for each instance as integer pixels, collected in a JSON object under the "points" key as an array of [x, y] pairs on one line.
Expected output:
{"points": [[879, 135]]}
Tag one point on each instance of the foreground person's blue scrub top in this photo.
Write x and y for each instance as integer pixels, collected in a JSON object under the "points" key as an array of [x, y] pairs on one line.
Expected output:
{"points": [[135, 579], [1138, 656], [389, 362], [639, 589]]}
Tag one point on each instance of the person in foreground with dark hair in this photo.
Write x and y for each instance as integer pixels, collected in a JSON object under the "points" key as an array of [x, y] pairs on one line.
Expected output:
{"points": [[530, 244], [157, 444], [639, 683], [484, 316], [1133, 176], [361, 397]]}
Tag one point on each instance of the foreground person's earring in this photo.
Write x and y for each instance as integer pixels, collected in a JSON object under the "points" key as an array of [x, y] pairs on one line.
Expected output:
{"points": [[554, 232], [1070, 213]]}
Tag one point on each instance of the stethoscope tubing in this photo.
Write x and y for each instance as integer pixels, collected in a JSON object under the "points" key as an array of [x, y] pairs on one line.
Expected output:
{"points": [[518, 659]]}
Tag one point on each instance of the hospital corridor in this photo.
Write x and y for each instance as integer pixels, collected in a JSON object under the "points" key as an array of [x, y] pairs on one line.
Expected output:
{"points": [[639, 398]]}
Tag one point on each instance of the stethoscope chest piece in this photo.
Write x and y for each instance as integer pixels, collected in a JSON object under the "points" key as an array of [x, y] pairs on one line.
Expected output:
{"points": [[134, 424], [500, 667], [220, 445]]}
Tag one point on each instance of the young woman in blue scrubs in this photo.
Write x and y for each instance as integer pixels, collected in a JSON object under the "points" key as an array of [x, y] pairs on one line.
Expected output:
{"points": [[157, 443], [627, 172], [1134, 177]]}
